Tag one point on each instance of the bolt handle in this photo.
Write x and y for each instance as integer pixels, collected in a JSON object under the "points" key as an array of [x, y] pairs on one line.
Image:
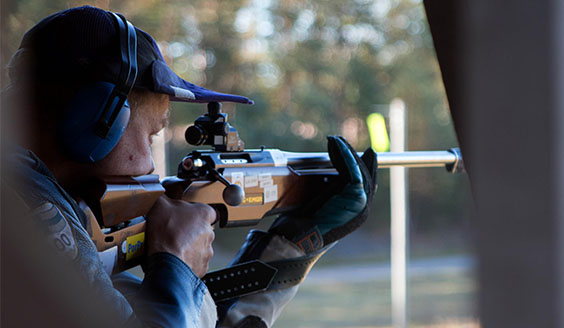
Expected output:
{"points": [[233, 194]]}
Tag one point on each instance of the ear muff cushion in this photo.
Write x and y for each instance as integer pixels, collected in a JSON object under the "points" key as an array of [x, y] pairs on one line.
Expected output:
{"points": [[77, 129]]}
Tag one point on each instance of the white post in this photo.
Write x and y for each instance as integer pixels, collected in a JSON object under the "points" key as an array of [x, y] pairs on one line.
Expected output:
{"points": [[399, 218], [158, 149]]}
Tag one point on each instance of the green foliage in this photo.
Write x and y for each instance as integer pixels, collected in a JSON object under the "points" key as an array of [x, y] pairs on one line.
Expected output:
{"points": [[314, 68]]}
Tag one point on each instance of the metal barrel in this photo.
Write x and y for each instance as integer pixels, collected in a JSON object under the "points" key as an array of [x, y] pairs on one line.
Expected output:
{"points": [[451, 159]]}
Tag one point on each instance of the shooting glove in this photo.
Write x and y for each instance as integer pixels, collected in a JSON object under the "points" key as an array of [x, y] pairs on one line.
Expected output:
{"points": [[295, 241], [340, 209]]}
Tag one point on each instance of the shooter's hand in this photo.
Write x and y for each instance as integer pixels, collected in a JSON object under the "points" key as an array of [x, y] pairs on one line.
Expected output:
{"points": [[182, 229], [338, 210]]}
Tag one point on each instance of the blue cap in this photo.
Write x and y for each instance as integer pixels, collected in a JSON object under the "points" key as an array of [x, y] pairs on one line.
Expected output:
{"points": [[80, 45]]}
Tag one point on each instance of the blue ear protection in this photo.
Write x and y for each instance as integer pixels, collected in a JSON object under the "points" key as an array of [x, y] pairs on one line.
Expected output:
{"points": [[98, 114]]}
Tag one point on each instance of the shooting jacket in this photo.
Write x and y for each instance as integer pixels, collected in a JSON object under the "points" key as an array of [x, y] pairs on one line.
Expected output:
{"points": [[170, 295]]}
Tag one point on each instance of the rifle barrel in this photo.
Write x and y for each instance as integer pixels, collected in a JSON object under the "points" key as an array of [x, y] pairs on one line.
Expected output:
{"points": [[448, 158], [417, 159]]}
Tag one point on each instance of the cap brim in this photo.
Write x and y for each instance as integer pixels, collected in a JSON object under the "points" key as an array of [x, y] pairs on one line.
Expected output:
{"points": [[166, 81]]}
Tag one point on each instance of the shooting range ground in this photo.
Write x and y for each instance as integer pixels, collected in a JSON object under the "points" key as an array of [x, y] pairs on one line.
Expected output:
{"points": [[438, 299]]}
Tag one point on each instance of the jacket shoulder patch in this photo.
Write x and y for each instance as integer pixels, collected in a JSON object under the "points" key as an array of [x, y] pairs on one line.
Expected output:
{"points": [[57, 228]]}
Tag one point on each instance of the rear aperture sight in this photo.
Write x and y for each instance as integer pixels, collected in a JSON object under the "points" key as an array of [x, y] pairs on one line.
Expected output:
{"points": [[213, 129]]}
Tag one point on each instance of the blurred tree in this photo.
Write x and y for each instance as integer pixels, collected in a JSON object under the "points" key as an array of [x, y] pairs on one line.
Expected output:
{"points": [[313, 67]]}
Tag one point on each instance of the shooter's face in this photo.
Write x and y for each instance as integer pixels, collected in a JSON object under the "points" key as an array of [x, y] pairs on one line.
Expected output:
{"points": [[132, 155]]}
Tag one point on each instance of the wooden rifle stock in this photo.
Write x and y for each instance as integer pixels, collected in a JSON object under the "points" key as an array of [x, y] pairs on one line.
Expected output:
{"points": [[115, 209]]}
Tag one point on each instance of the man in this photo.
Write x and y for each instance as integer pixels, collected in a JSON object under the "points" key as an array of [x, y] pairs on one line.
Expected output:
{"points": [[69, 83]]}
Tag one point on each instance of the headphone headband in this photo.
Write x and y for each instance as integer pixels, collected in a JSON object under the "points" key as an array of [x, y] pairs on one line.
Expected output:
{"points": [[126, 78], [128, 53]]}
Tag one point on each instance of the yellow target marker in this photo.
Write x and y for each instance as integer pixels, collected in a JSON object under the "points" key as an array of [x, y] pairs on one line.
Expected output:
{"points": [[379, 140]]}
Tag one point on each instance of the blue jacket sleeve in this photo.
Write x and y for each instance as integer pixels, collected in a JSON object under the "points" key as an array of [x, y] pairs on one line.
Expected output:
{"points": [[170, 295]]}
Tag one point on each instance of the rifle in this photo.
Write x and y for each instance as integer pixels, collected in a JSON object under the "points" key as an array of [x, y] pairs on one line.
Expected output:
{"points": [[243, 186]]}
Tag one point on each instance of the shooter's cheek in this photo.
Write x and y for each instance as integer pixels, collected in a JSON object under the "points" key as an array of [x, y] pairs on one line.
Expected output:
{"points": [[143, 160]]}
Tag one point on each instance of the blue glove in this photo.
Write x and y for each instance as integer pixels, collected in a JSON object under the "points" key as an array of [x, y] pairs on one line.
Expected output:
{"points": [[340, 209]]}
